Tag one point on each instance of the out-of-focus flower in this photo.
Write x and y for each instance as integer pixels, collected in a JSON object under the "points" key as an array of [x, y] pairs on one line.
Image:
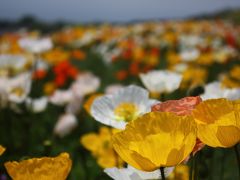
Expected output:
{"points": [[74, 105], [189, 55], [65, 124], [37, 105], [78, 54], [193, 76], [205, 59], [2, 149], [180, 172], [49, 88], [229, 82], [55, 56], [119, 108], [39, 74], [130, 173], [61, 97], [16, 88], [180, 68], [218, 122], [161, 81], [86, 83], [101, 147], [173, 58], [88, 103], [64, 71], [12, 64], [35, 45], [214, 90], [156, 139], [235, 72], [113, 88], [40, 168], [9, 43], [121, 75], [224, 53]]}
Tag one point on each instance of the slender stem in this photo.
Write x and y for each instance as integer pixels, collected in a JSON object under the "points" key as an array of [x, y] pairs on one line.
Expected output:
{"points": [[238, 158], [195, 175], [163, 97], [222, 164], [162, 173], [191, 166]]}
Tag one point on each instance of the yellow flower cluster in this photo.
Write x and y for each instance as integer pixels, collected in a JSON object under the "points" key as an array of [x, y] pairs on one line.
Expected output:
{"points": [[163, 139]]}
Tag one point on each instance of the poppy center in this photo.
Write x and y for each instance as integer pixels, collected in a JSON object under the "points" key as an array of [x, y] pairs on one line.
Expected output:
{"points": [[126, 111]]}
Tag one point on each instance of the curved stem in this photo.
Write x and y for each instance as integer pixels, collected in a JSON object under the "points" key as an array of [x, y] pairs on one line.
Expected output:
{"points": [[162, 173], [238, 158]]}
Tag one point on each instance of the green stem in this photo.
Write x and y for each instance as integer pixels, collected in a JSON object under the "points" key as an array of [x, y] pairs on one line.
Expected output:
{"points": [[191, 166], [162, 173], [238, 158], [222, 164], [195, 175]]}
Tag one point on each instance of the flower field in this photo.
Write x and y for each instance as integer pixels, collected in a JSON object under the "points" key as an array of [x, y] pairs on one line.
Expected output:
{"points": [[150, 100]]}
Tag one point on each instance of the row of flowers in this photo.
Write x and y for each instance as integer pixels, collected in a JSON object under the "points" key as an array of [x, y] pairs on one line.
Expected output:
{"points": [[149, 137]]}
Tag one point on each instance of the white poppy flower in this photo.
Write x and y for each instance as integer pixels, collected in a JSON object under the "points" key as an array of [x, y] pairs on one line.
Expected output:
{"points": [[190, 40], [180, 68], [161, 81], [35, 45], [12, 62], [214, 90], [122, 106], [85, 83], [113, 88], [61, 97], [16, 88], [37, 105], [189, 55], [65, 124], [130, 173], [74, 105]]}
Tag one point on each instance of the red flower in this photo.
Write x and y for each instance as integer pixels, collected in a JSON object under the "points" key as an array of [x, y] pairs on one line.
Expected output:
{"points": [[134, 69], [72, 72], [39, 74], [121, 75], [60, 80], [180, 107]]}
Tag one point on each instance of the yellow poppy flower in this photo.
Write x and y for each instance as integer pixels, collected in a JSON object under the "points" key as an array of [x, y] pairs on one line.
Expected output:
{"points": [[218, 122], [235, 72], [49, 88], [229, 82], [156, 139], [2, 149], [56, 55], [193, 76], [46, 168], [101, 147]]}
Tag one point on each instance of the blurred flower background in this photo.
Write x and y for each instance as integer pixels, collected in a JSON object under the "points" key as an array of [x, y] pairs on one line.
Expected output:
{"points": [[125, 91]]}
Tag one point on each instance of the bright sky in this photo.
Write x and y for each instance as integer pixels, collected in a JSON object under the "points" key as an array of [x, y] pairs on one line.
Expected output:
{"points": [[110, 10]]}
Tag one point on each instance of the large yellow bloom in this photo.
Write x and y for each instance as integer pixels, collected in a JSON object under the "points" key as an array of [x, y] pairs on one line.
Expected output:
{"points": [[218, 122], [45, 168], [2, 149], [157, 139]]}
